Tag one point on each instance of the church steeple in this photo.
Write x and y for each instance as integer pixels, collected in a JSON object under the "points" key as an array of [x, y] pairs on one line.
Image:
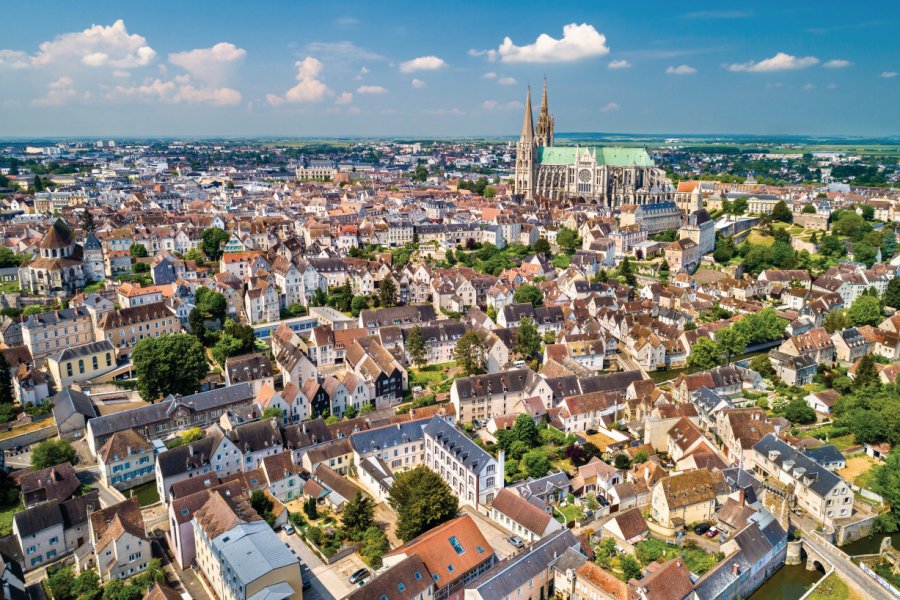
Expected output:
{"points": [[544, 132], [527, 123]]}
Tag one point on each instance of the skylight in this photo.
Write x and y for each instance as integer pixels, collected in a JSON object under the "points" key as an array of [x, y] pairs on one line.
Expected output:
{"points": [[456, 545]]}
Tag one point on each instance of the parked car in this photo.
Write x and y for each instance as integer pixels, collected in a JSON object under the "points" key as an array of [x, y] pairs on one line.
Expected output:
{"points": [[516, 541], [359, 576], [712, 533], [701, 528], [288, 529]]}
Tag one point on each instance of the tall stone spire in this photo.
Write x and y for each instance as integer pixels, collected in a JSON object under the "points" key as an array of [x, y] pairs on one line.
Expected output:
{"points": [[544, 131], [527, 123]]}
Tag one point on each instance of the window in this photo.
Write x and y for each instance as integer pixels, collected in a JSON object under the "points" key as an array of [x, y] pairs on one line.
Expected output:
{"points": [[450, 568], [454, 541]]}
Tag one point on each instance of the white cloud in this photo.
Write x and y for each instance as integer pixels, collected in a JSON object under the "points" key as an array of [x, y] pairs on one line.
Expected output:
{"points": [[619, 64], [96, 46], [417, 83], [58, 93], [506, 81], [444, 112], [14, 59], [475, 52], [888, 74], [213, 65], [489, 75], [177, 91], [495, 105], [344, 99], [809, 86], [611, 107], [423, 63], [309, 88], [837, 64], [779, 62], [370, 89], [681, 70], [363, 71], [577, 42], [832, 86]]}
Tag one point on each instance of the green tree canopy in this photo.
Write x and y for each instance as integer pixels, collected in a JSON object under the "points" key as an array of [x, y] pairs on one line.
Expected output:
{"points": [[415, 347], [536, 463], [529, 293], [50, 453], [138, 251], [781, 212], [169, 364], [892, 293], [865, 310], [705, 354], [212, 241], [387, 292], [358, 515], [568, 240], [528, 340], [471, 354], [422, 500], [797, 411]]}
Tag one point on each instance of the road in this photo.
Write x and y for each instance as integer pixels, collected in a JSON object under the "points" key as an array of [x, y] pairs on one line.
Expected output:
{"points": [[493, 533], [90, 475], [327, 582]]}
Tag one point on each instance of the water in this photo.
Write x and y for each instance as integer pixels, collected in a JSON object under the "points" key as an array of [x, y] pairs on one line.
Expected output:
{"points": [[788, 583], [870, 544]]}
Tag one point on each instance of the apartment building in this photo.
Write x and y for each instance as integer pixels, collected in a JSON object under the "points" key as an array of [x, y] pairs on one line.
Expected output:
{"points": [[485, 396], [125, 327], [126, 460], [474, 475], [81, 363], [50, 332]]}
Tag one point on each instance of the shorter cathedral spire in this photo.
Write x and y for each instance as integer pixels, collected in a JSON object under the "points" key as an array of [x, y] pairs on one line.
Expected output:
{"points": [[527, 123], [544, 108]]}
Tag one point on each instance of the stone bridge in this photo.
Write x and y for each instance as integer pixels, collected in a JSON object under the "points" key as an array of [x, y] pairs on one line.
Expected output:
{"points": [[822, 553]]}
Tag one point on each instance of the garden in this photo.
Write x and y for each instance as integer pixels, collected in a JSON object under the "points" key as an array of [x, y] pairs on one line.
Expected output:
{"points": [[62, 584], [695, 558]]}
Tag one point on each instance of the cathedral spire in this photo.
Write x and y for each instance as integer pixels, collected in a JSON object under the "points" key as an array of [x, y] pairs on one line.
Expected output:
{"points": [[544, 109], [527, 123], [544, 129]]}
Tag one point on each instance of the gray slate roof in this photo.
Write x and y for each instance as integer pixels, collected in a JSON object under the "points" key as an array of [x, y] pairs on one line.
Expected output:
{"points": [[455, 442], [801, 467]]}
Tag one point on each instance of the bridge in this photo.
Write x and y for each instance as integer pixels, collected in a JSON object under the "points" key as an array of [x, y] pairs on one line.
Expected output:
{"points": [[824, 553]]}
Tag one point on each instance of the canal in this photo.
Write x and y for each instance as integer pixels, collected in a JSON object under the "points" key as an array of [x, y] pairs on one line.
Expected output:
{"points": [[870, 544]]}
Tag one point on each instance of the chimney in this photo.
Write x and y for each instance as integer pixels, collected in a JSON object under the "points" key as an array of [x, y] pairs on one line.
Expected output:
{"points": [[735, 569], [741, 497]]}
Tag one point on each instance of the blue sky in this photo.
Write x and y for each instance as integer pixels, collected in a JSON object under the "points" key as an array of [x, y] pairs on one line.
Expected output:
{"points": [[419, 68]]}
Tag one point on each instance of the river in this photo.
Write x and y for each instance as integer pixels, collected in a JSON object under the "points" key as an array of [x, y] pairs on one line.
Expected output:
{"points": [[788, 583]]}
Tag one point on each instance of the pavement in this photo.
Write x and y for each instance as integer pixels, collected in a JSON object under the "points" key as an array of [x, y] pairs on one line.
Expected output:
{"points": [[846, 568], [327, 582], [493, 533], [90, 475]]}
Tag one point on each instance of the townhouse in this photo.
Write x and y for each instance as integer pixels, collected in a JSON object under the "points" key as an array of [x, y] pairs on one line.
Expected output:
{"points": [[121, 545], [126, 460], [125, 327], [474, 475], [54, 331]]}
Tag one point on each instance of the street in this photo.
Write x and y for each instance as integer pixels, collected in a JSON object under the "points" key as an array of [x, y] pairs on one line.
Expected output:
{"points": [[327, 582]]}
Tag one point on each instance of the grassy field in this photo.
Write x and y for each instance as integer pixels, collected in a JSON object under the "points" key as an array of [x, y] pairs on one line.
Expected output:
{"points": [[756, 237], [146, 493], [6, 518], [833, 588], [859, 470], [570, 512], [697, 559]]}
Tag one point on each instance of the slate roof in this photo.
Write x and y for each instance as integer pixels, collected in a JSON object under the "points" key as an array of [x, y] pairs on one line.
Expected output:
{"points": [[459, 445], [68, 402], [373, 440], [801, 467], [825, 455]]}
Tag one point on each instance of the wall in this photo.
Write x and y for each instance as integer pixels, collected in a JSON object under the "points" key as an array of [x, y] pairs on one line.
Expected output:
{"points": [[844, 534], [28, 438]]}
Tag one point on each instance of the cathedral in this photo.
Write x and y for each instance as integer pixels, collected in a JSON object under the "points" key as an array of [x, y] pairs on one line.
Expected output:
{"points": [[605, 176]]}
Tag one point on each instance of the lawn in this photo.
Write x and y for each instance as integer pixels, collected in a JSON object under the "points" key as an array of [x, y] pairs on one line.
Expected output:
{"points": [[146, 493], [859, 470], [6, 517], [833, 588], [9, 287], [570, 512], [843, 442], [696, 559], [756, 237]]}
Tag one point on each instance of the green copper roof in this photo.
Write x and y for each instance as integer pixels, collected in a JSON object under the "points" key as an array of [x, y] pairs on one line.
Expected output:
{"points": [[614, 157]]}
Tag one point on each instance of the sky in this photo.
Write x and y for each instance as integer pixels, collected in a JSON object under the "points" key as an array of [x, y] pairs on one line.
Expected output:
{"points": [[291, 68]]}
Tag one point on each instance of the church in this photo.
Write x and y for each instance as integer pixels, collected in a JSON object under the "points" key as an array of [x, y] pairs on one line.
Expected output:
{"points": [[605, 176]]}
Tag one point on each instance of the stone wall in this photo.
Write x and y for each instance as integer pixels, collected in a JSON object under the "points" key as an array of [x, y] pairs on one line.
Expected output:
{"points": [[850, 532]]}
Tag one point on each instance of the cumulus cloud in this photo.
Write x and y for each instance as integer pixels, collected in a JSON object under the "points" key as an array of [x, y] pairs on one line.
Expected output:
{"points": [[417, 83], [489, 75], [888, 74], [809, 86], [97, 46], [577, 42], [363, 71], [423, 63], [177, 91], [370, 89], [309, 88], [58, 93], [342, 51], [506, 81], [344, 99], [444, 112], [681, 70], [837, 64], [495, 105], [779, 62], [610, 107], [14, 59], [213, 65], [619, 64]]}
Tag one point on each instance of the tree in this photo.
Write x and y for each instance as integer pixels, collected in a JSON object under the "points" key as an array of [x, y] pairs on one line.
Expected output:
{"points": [[117, 589], [195, 254], [50, 453], [536, 463], [528, 340], [630, 567], [888, 243], [761, 327], [866, 373], [358, 515], [311, 509], [273, 412], [797, 411], [809, 209], [60, 582], [422, 500], [87, 585], [226, 347], [836, 320], [664, 270], [762, 365], [530, 294], [358, 304], [524, 430], [732, 342], [865, 253], [490, 191], [892, 293], [568, 240], [705, 354], [375, 546], [415, 347], [212, 240], [865, 310], [387, 292], [138, 251], [263, 506], [471, 353], [640, 457], [8, 258], [781, 212], [169, 364], [621, 461], [542, 246], [7, 393], [887, 484]]}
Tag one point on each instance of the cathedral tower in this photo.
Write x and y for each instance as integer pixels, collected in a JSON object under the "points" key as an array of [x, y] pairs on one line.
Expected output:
{"points": [[544, 131], [525, 151]]}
